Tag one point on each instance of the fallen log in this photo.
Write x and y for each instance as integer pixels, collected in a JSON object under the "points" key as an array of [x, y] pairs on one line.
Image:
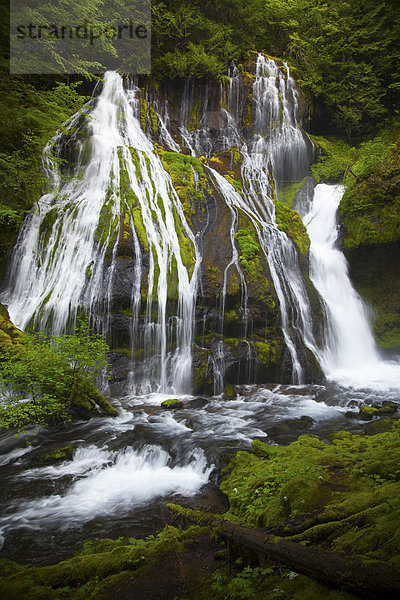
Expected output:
{"points": [[359, 575]]}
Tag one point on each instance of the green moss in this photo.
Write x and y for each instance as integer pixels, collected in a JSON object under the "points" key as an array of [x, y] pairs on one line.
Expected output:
{"points": [[139, 227], [93, 570], [107, 229], [154, 120], [230, 176], [64, 453], [336, 156], [186, 246], [370, 207], [143, 113], [345, 494], [231, 316], [130, 203], [289, 191], [248, 247], [181, 169], [229, 391], [289, 221], [172, 403], [135, 158], [368, 411], [266, 352]]}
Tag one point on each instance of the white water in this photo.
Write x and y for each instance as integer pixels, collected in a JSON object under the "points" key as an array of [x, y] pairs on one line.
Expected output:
{"points": [[84, 216], [109, 482], [277, 144], [349, 354]]}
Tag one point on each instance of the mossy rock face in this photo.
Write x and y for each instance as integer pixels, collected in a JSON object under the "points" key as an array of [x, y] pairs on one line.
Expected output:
{"points": [[375, 273], [9, 334], [289, 221], [102, 567], [172, 403]]}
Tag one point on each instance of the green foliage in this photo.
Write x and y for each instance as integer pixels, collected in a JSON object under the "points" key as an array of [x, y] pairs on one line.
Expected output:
{"points": [[258, 583], [33, 110], [345, 53], [370, 207], [335, 158], [26, 372], [245, 584], [84, 351], [41, 379]]}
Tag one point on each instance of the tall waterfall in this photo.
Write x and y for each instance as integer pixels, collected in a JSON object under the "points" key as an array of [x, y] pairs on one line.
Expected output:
{"points": [[349, 353], [66, 253]]}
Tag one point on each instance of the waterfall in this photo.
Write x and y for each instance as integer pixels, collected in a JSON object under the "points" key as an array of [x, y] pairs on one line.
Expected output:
{"points": [[112, 220], [278, 145], [65, 260], [349, 353]]}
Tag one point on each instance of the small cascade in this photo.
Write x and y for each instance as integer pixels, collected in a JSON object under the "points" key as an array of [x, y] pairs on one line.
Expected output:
{"points": [[277, 150], [66, 262], [349, 352]]}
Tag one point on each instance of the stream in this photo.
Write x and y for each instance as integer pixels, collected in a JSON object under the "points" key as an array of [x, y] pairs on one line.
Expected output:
{"points": [[124, 470]]}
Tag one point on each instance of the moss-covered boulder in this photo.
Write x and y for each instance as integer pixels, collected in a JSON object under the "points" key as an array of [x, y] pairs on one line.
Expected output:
{"points": [[172, 403]]}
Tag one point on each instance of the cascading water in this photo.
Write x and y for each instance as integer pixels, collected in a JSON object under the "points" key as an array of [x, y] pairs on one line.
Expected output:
{"points": [[66, 254], [349, 353], [278, 145]]}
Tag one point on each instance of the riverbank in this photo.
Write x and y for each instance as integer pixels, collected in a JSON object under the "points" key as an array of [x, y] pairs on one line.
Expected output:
{"points": [[340, 497]]}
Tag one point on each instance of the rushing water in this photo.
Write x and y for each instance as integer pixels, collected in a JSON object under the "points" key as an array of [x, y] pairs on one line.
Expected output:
{"points": [[124, 470], [349, 353], [65, 256]]}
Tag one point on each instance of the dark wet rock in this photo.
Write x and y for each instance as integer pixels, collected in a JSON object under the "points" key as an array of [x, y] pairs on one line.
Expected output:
{"points": [[351, 414], [388, 408], [378, 426], [291, 427], [198, 403]]}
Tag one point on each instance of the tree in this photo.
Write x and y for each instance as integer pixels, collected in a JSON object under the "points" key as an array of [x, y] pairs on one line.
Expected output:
{"points": [[42, 379]]}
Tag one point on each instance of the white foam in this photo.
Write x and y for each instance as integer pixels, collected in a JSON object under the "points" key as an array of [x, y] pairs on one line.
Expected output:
{"points": [[133, 479]]}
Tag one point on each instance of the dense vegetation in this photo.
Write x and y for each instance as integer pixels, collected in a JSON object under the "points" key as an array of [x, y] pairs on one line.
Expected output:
{"points": [[42, 380], [346, 53]]}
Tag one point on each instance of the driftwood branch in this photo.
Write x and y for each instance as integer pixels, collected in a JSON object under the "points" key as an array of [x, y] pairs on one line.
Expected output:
{"points": [[371, 578]]}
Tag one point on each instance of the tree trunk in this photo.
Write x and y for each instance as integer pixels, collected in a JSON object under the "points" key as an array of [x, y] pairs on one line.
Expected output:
{"points": [[371, 578]]}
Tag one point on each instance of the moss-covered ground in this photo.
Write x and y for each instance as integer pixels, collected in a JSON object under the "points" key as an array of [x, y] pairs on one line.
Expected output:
{"points": [[343, 496]]}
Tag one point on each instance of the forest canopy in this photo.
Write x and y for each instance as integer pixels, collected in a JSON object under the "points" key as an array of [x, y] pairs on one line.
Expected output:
{"points": [[346, 53]]}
